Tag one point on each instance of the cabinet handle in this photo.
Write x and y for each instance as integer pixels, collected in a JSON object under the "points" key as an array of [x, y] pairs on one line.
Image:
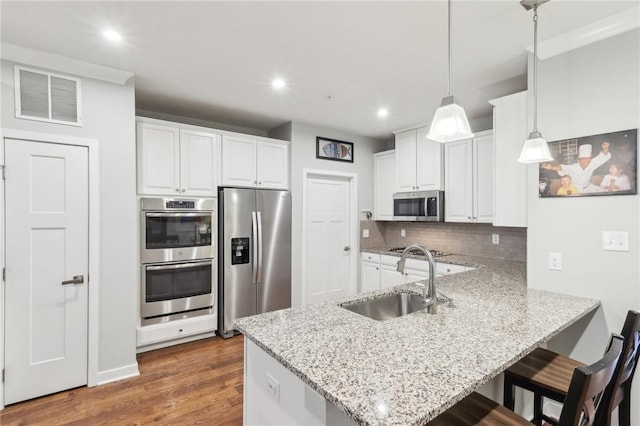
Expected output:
{"points": [[469, 217], [183, 189], [177, 190], [259, 183]]}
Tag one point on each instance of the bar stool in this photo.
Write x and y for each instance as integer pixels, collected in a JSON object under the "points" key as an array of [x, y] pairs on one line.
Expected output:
{"points": [[547, 374], [583, 398]]}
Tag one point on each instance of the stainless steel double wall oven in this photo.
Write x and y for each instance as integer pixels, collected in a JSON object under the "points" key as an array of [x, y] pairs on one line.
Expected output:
{"points": [[177, 255]]}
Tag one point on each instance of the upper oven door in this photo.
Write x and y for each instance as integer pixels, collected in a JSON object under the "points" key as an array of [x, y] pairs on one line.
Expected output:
{"points": [[171, 236]]}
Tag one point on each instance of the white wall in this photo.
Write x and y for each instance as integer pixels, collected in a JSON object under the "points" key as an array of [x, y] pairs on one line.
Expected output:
{"points": [[108, 116], [303, 156], [588, 91]]}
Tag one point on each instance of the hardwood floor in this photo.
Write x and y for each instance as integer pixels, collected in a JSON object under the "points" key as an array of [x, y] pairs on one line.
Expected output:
{"points": [[193, 383]]}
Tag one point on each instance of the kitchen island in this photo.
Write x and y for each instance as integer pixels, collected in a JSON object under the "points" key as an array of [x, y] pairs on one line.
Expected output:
{"points": [[344, 367]]}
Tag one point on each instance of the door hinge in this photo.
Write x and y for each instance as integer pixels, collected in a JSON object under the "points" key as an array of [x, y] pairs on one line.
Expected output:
{"points": [[4, 274], [3, 375], [3, 168]]}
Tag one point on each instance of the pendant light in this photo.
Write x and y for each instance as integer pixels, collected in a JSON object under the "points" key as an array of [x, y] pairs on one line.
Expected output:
{"points": [[449, 122], [535, 148]]}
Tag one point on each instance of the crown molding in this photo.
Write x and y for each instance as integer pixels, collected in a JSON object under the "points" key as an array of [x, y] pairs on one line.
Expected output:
{"points": [[591, 33], [33, 57]]}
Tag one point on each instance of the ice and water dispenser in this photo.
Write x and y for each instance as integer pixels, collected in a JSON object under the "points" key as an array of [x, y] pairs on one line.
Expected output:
{"points": [[239, 251]]}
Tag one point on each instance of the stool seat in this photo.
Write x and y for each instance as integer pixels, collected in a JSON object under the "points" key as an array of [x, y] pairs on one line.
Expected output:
{"points": [[478, 410]]}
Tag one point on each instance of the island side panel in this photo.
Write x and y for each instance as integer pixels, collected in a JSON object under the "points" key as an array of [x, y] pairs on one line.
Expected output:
{"points": [[275, 396]]}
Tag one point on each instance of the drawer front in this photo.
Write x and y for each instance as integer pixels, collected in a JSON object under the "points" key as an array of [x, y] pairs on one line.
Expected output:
{"points": [[175, 329], [420, 265], [448, 269], [389, 260], [370, 257]]}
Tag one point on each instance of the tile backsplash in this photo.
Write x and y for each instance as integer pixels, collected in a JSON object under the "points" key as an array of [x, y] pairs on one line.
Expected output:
{"points": [[473, 239]]}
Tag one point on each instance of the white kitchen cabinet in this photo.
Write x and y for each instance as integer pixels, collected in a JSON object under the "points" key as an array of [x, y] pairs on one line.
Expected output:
{"points": [[174, 160], [255, 162], [510, 176], [418, 161], [390, 277], [469, 179], [369, 276], [384, 184]]}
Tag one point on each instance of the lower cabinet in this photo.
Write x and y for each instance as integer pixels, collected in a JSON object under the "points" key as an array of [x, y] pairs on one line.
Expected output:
{"points": [[173, 332]]}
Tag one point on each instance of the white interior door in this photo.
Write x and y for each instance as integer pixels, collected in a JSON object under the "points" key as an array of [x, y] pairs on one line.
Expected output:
{"points": [[328, 251], [47, 237]]}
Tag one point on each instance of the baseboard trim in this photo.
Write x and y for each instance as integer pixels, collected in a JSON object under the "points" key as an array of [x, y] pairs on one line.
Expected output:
{"points": [[119, 373]]}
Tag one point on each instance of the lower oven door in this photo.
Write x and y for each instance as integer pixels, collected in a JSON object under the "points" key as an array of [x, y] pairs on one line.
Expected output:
{"points": [[169, 288]]}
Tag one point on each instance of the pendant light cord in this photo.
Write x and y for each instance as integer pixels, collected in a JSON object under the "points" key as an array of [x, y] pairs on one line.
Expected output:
{"points": [[449, 42], [535, 68]]}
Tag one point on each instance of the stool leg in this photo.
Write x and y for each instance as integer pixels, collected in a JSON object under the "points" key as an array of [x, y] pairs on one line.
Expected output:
{"points": [[508, 399], [624, 409], [537, 409]]}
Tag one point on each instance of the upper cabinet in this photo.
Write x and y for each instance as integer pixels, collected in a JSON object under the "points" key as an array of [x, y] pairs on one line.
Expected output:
{"points": [[384, 184], [509, 133], [255, 162], [469, 179], [418, 162], [174, 160]]}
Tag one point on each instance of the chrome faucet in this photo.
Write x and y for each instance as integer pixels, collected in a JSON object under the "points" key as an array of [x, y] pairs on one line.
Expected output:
{"points": [[429, 291]]}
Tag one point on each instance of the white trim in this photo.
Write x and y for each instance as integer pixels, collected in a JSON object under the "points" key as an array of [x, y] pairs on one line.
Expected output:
{"points": [[34, 57], [94, 241], [354, 241], [119, 373], [608, 27]]}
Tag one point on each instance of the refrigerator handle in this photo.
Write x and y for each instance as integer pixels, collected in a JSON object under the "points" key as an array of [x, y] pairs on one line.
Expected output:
{"points": [[259, 277], [254, 261]]}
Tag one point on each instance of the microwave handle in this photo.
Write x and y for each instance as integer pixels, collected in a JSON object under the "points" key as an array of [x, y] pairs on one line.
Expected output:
{"points": [[254, 262], [178, 266]]}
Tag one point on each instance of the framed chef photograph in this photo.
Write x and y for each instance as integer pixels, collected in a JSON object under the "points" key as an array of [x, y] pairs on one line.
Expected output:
{"points": [[603, 164], [331, 149]]}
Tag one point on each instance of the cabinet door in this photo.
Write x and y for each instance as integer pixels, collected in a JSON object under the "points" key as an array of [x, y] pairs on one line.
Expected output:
{"points": [[389, 277], [369, 276], [384, 184], [238, 161], [198, 163], [483, 178], [406, 161], [458, 181], [429, 162], [510, 176], [158, 159], [273, 165]]}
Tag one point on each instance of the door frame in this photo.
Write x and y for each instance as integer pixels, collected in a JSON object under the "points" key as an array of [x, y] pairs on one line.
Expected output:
{"points": [[93, 278], [354, 241]]}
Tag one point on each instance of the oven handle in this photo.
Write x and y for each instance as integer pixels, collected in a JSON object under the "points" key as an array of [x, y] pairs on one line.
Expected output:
{"points": [[185, 214], [179, 266]]}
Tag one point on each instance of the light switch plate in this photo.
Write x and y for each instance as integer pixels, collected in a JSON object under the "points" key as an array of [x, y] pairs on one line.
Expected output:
{"points": [[495, 238], [555, 261], [365, 233], [403, 233], [615, 241]]}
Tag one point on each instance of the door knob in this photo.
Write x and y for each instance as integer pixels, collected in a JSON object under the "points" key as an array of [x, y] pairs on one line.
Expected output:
{"points": [[347, 248], [77, 279]]}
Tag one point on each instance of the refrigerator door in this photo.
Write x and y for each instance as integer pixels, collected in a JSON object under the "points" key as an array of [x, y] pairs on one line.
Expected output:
{"points": [[237, 286], [274, 269]]}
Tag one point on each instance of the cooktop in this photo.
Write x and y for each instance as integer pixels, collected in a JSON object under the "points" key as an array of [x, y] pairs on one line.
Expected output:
{"points": [[434, 253]]}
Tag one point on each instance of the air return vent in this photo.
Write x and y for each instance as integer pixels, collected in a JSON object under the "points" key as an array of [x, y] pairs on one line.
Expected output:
{"points": [[47, 97]]}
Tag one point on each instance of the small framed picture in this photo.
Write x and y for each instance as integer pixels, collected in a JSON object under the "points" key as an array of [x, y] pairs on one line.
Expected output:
{"points": [[603, 164], [331, 149]]}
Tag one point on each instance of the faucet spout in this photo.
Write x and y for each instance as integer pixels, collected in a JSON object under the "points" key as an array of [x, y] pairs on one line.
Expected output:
{"points": [[429, 291]]}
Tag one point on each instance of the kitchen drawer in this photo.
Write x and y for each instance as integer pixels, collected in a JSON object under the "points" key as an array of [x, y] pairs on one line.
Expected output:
{"points": [[417, 264], [176, 329], [448, 268], [370, 257], [389, 260]]}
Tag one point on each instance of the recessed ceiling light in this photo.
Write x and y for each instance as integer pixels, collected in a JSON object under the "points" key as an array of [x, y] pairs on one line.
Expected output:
{"points": [[383, 112], [112, 35], [278, 83]]}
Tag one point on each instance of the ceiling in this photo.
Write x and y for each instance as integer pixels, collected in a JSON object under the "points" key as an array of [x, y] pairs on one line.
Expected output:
{"points": [[214, 61]]}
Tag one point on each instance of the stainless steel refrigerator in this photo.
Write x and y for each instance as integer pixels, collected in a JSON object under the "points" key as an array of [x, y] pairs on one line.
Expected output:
{"points": [[254, 254]]}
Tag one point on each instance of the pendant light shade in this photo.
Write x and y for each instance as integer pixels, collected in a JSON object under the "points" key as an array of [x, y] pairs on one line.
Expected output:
{"points": [[535, 148], [450, 121]]}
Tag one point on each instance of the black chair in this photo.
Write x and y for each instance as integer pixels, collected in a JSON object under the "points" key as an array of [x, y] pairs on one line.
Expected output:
{"points": [[582, 403], [547, 374]]}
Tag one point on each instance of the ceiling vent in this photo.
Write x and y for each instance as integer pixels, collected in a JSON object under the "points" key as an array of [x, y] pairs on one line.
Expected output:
{"points": [[47, 97]]}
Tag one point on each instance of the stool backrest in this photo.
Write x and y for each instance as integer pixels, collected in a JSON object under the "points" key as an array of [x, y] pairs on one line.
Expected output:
{"points": [[620, 386], [587, 386]]}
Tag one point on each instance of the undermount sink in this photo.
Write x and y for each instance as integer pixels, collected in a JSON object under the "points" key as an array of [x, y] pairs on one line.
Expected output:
{"points": [[390, 306]]}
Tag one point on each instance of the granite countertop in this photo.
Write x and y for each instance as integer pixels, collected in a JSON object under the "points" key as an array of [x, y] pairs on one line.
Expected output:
{"points": [[407, 370]]}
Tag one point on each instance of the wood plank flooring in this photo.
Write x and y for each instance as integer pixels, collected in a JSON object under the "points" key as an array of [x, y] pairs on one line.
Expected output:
{"points": [[194, 383]]}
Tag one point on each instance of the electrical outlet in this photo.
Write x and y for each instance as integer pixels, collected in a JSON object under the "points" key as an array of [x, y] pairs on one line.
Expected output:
{"points": [[403, 233], [365, 233], [273, 387], [495, 238], [555, 261]]}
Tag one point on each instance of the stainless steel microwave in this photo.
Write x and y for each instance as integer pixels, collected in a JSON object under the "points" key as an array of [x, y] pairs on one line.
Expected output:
{"points": [[419, 206]]}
